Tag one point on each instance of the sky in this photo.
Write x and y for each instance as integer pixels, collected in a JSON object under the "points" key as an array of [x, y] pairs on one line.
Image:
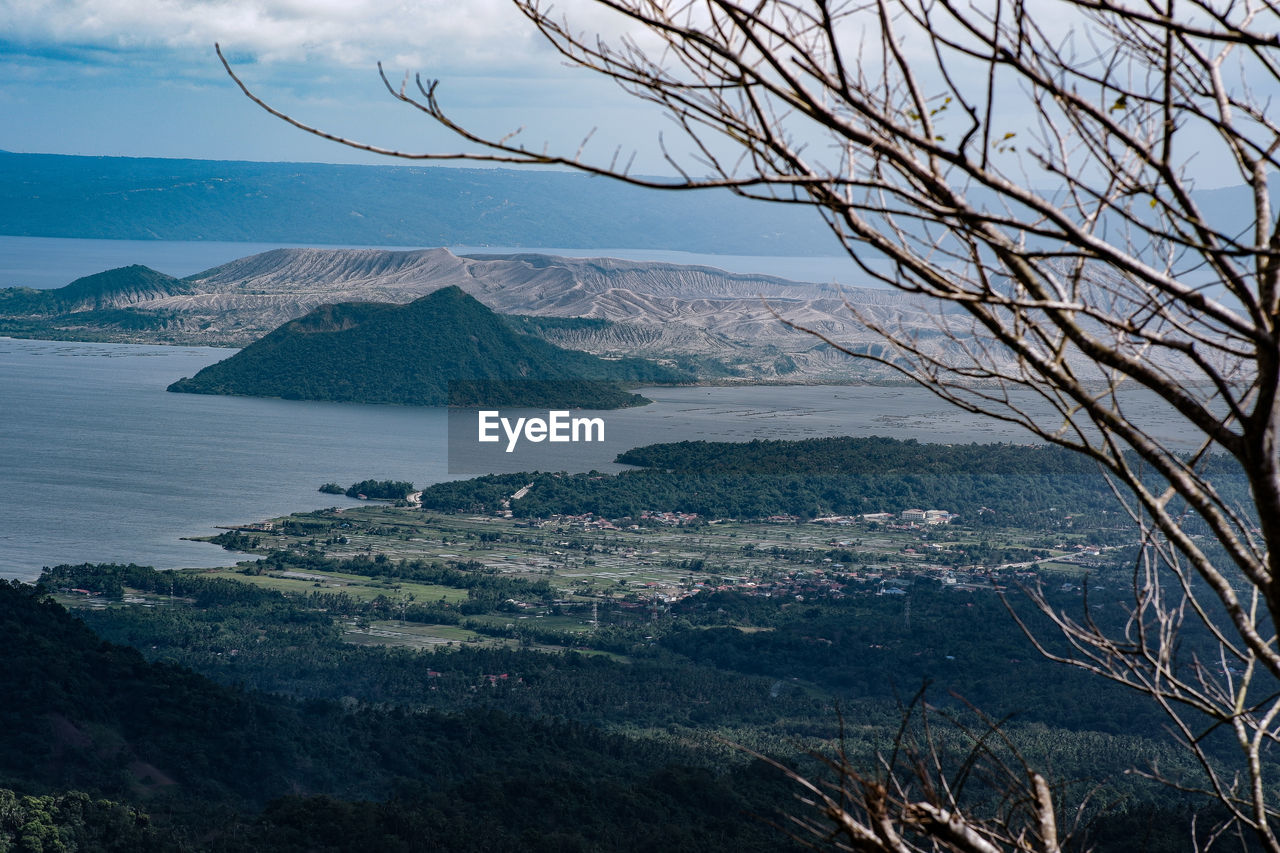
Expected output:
{"points": [[140, 78]]}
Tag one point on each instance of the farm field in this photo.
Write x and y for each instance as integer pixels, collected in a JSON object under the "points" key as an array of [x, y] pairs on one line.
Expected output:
{"points": [[603, 573]]}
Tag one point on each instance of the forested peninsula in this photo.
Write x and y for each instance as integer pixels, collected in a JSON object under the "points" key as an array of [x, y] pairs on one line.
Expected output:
{"points": [[989, 484]]}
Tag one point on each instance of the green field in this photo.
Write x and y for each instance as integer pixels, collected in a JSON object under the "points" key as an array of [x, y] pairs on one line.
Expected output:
{"points": [[360, 588], [590, 564]]}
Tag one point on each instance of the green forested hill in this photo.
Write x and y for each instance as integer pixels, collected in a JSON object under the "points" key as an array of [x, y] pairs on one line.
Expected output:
{"points": [[417, 354], [95, 307], [109, 289]]}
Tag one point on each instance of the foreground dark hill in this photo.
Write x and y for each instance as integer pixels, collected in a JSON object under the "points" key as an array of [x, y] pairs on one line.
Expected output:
{"points": [[203, 760], [445, 348]]}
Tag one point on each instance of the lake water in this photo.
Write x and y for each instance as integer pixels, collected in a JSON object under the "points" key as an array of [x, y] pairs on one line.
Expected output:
{"points": [[99, 463]]}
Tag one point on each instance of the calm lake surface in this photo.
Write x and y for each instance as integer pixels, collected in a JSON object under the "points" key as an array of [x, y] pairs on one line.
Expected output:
{"points": [[99, 463]]}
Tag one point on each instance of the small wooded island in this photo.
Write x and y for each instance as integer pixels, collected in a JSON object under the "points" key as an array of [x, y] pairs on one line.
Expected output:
{"points": [[375, 490], [443, 349]]}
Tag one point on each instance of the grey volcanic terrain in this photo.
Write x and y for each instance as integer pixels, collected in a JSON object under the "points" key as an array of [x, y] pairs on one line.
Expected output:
{"points": [[724, 321]]}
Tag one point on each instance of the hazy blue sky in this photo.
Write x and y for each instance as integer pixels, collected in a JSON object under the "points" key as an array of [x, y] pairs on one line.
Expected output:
{"points": [[140, 78]]}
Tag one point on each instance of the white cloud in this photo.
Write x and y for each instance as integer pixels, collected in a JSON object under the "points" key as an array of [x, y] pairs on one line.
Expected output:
{"points": [[419, 33]]}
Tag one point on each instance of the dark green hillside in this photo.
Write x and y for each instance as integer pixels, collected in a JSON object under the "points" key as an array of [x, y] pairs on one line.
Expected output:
{"points": [[96, 307], [96, 716], [414, 354], [202, 761], [97, 292]]}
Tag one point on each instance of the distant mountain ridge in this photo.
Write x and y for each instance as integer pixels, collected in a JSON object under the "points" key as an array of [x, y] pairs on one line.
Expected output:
{"points": [[442, 348], [140, 198], [125, 198]]}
